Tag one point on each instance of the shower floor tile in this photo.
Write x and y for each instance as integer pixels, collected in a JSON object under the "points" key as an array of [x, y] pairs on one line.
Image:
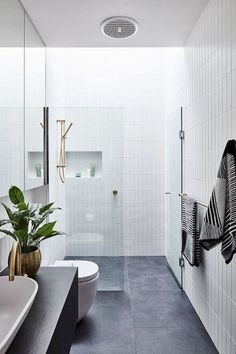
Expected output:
{"points": [[111, 271]]}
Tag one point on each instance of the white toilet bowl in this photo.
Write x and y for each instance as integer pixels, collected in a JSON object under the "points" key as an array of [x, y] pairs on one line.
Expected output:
{"points": [[88, 275]]}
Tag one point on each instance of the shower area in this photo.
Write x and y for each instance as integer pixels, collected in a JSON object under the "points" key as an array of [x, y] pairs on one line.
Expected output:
{"points": [[94, 191], [113, 195]]}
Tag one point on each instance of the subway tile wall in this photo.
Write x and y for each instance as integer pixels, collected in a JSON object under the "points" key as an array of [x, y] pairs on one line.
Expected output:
{"points": [[93, 213], [202, 79], [131, 80], [144, 178]]}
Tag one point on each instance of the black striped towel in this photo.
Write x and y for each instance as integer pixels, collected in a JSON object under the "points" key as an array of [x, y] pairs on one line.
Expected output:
{"points": [[190, 231], [220, 220]]}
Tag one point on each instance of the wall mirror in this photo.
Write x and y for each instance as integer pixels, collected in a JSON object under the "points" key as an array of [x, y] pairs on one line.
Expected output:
{"points": [[34, 104], [22, 100], [11, 95]]}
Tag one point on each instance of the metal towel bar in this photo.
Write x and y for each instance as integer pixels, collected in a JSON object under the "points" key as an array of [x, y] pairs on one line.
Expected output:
{"points": [[200, 203]]}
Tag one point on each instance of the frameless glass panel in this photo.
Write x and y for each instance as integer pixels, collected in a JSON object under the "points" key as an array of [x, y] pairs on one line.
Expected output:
{"points": [[94, 185], [173, 188], [11, 95], [34, 103]]}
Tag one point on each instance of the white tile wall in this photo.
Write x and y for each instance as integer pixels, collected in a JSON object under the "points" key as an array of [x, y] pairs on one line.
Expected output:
{"points": [[93, 213], [132, 80], [202, 78], [144, 177]]}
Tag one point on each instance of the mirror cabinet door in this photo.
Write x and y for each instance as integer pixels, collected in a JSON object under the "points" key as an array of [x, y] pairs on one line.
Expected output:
{"points": [[34, 106], [11, 95]]}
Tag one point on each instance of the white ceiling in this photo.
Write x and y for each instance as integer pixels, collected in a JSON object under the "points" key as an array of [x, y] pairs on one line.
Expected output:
{"points": [[76, 23]]}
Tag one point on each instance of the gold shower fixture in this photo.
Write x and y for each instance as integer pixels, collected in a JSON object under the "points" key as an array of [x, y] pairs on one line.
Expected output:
{"points": [[62, 148]]}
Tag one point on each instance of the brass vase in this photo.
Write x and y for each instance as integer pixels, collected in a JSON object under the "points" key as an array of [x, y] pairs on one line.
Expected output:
{"points": [[30, 262]]}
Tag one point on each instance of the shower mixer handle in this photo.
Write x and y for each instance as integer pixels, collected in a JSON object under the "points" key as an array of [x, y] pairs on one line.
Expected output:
{"points": [[115, 192], [64, 135]]}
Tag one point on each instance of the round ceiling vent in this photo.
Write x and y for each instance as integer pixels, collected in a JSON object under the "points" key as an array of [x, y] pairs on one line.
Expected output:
{"points": [[119, 27]]}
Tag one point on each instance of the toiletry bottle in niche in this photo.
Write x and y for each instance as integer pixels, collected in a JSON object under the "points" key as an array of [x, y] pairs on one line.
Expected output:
{"points": [[92, 170], [88, 171], [38, 169]]}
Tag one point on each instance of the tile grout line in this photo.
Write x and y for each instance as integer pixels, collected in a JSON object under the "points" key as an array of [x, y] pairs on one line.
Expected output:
{"points": [[128, 286]]}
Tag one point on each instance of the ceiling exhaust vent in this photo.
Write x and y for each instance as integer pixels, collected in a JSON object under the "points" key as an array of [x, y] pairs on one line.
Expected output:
{"points": [[119, 27]]}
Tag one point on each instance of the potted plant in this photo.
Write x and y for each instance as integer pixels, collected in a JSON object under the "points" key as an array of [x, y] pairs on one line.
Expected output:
{"points": [[29, 227]]}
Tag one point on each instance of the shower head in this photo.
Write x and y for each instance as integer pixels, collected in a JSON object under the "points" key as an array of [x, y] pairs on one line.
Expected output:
{"points": [[119, 27]]}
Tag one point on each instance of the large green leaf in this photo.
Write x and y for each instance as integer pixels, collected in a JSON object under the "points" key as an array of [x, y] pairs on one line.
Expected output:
{"points": [[7, 232], [48, 212], [22, 206], [8, 211], [37, 238], [46, 229], [45, 208], [52, 234], [4, 222], [15, 195]]}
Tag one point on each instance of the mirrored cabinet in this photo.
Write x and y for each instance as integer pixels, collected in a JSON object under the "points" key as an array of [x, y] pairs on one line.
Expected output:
{"points": [[22, 100], [34, 103], [11, 95]]}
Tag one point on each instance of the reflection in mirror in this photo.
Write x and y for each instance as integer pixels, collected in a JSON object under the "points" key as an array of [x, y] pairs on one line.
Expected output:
{"points": [[34, 103], [11, 95]]}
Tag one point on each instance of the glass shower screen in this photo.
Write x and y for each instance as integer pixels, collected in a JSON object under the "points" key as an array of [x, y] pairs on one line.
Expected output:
{"points": [[94, 189], [174, 167]]}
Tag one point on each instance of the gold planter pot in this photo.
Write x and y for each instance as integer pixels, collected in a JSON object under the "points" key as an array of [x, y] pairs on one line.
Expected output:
{"points": [[30, 262]]}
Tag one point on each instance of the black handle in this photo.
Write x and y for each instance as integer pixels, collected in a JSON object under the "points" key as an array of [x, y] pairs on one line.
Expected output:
{"points": [[45, 145]]}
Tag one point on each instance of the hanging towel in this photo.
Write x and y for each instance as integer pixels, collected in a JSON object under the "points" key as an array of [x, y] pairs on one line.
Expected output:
{"points": [[220, 220], [190, 231]]}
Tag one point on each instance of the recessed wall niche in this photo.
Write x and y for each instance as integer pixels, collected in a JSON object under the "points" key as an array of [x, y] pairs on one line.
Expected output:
{"points": [[79, 164]]}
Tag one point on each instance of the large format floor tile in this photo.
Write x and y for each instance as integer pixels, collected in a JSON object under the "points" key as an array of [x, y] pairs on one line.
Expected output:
{"points": [[161, 309], [152, 315], [172, 341], [108, 328], [111, 270]]}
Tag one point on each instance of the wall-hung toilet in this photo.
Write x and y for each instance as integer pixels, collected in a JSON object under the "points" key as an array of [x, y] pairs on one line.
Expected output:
{"points": [[88, 275]]}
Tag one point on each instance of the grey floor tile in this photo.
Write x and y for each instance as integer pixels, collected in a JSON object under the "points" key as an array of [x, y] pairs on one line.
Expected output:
{"points": [[172, 341], [111, 271], [112, 306], [107, 340], [142, 261], [154, 278], [108, 329], [162, 309], [152, 315]]}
